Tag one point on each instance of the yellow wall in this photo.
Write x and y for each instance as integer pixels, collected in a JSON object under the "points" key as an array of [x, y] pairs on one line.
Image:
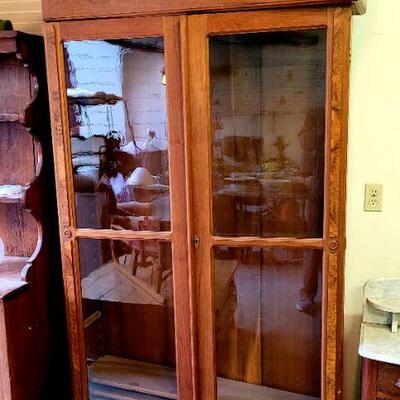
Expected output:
{"points": [[374, 155], [373, 248]]}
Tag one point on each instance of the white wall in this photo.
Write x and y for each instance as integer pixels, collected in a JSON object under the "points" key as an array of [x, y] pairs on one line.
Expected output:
{"points": [[373, 248], [96, 66], [145, 94]]}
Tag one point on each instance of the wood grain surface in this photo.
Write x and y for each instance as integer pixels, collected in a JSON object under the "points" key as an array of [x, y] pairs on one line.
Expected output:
{"points": [[59, 10]]}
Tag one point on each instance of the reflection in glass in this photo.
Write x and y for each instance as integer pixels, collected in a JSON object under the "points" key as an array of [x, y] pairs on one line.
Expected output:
{"points": [[268, 323], [117, 117], [128, 318], [268, 124]]}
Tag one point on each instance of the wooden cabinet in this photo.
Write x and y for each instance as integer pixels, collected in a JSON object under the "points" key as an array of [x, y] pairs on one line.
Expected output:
{"points": [[380, 380], [200, 162], [32, 351]]}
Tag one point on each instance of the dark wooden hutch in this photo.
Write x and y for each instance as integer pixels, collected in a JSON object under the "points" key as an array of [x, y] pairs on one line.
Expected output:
{"points": [[201, 160], [33, 352]]}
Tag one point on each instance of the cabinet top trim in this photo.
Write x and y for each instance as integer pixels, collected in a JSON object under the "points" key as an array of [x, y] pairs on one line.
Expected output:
{"points": [[58, 10]]}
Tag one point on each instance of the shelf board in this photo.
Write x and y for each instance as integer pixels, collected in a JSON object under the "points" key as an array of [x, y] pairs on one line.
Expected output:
{"points": [[87, 98], [390, 304], [134, 376], [12, 193], [13, 117], [113, 282], [10, 275], [100, 392], [110, 377]]}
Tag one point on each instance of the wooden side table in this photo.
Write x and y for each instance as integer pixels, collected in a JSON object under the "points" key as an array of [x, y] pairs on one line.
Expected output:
{"points": [[380, 380], [380, 341]]}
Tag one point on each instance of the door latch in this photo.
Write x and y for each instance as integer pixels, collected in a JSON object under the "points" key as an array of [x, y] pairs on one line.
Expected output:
{"points": [[196, 241]]}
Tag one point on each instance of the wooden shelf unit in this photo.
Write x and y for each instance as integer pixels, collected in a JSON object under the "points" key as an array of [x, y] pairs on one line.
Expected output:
{"points": [[27, 227], [12, 193], [11, 277]]}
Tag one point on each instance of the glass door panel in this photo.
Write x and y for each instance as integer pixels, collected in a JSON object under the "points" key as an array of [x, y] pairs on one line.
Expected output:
{"points": [[258, 85], [267, 110], [117, 117], [118, 133], [268, 128], [121, 185], [128, 311], [267, 305]]}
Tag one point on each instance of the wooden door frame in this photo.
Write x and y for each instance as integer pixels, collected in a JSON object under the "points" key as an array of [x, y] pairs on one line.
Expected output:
{"points": [[170, 28], [337, 23]]}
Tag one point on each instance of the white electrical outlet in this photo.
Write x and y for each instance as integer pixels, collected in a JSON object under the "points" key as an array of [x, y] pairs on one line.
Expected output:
{"points": [[373, 197]]}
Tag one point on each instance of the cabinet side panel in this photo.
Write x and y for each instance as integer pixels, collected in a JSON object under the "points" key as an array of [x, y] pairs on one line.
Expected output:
{"points": [[64, 211], [28, 339], [5, 388]]}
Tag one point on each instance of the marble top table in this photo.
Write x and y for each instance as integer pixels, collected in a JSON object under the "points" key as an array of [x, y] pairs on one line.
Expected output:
{"points": [[380, 339], [379, 343]]}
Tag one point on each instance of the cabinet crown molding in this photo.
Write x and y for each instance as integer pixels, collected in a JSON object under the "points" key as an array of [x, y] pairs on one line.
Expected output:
{"points": [[58, 10]]}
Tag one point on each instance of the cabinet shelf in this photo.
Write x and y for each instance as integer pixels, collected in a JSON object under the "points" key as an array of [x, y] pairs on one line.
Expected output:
{"points": [[12, 117], [87, 98], [10, 275], [111, 377], [12, 193]]}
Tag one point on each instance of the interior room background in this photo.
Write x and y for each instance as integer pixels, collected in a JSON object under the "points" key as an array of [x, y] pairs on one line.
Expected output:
{"points": [[373, 155]]}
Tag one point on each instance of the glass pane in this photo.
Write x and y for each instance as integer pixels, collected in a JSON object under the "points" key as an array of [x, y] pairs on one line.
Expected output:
{"points": [[268, 125], [118, 128], [268, 323], [128, 318]]}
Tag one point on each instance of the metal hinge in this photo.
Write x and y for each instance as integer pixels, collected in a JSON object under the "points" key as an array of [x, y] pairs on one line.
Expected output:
{"points": [[196, 241]]}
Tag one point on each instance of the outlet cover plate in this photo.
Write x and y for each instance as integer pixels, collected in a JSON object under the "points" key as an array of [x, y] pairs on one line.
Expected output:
{"points": [[373, 197]]}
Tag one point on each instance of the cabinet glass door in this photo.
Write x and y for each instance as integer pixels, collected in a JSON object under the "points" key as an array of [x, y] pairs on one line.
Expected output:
{"points": [[268, 129], [259, 156], [116, 92], [126, 221]]}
